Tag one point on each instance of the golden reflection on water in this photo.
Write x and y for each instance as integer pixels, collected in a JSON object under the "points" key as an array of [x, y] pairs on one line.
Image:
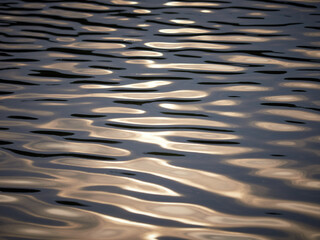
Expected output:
{"points": [[297, 114], [95, 45], [181, 45], [108, 227], [180, 94], [140, 61], [32, 20], [302, 144], [75, 182], [235, 38], [203, 107], [207, 181], [206, 11], [299, 84], [170, 121], [279, 127], [265, 60], [197, 67], [182, 21], [142, 11], [24, 111], [285, 98], [88, 6], [123, 110], [20, 46], [178, 211], [72, 184], [141, 85], [46, 143], [65, 13], [183, 30], [256, 30], [274, 168], [155, 137], [123, 2], [124, 39], [141, 54], [33, 5], [72, 67], [243, 88], [138, 185], [98, 29], [56, 146], [65, 39], [191, 4], [309, 53], [312, 34], [60, 55]]}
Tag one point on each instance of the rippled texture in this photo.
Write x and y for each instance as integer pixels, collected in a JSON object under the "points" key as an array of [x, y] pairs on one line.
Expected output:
{"points": [[159, 119]]}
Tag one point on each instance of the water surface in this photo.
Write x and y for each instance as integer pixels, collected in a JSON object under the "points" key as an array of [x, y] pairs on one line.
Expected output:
{"points": [[159, 119]]}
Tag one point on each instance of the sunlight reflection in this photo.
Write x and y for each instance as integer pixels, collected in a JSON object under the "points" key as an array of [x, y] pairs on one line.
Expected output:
{"points": [[141, 54], [123, 110], [75, 183], [142, 11], [65, 13], [183, 30], [98, 29], [262, 31], [181, 45], [235, 38], [266, 60], [191, 4], [274, 168], [21, 110], [285, 98], [95, 45], [298, 84], [88, 148], [182, 21], [180, 94], [72, 67], [297, 114], [142, 85], [170, 121], [279, 127], [197, 67], [89, 6]]}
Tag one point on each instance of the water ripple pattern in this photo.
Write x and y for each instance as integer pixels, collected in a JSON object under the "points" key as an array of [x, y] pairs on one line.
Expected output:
{"points": [[159, 120]]}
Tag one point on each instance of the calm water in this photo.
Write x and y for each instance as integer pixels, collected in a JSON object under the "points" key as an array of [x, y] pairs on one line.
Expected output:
{"points": [[159, 120]]}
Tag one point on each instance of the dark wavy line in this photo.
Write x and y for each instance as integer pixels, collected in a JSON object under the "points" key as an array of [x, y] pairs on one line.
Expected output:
{"points": [[159, 128], [18, 190], [45, 155], [55, 133], [256, 25], [287, 3]]}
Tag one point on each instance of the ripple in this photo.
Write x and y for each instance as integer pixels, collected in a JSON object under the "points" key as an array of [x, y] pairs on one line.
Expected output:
{"points": [[279, 127], [84, 6], [235, 38], [297, 114], [183, 30], [95, 45], [198, 67], [170, 121], [191, 4], [183, 45], [159, 120], [77, 148]]}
